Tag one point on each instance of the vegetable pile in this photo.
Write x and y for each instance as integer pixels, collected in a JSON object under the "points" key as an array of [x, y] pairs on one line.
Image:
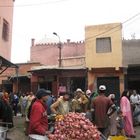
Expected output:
{"points": [[75, 126]]}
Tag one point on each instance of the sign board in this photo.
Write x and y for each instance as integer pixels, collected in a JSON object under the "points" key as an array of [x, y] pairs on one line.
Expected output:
{"points": [[62, 89]]}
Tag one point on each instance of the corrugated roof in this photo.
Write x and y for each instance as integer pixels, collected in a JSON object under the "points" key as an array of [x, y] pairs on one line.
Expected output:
{"points": [[36, 68], [4, 62]]}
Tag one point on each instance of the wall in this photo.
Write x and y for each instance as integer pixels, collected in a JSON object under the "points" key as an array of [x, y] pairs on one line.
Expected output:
{"points": [[48, 54], [131, 51], [92, 79], [7, 14], [11, 72], [111, 59]]}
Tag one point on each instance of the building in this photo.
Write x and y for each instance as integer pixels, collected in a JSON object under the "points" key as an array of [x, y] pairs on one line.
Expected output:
{"points": [[6, 21], [58, 79], [131, 60], [18, 80], [47, 53], [103, 53], [67, 77], [109, 60]]}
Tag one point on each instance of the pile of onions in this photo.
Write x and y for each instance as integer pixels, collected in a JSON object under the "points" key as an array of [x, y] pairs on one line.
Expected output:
{"points": [[75, 126]]}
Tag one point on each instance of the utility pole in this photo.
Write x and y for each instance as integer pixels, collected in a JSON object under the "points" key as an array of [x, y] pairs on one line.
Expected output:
{"points": [[60, 49]]}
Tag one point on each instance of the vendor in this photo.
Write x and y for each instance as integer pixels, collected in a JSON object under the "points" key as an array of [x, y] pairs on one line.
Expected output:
{"points": [[62, 105], [38, 117], [80, 101]]}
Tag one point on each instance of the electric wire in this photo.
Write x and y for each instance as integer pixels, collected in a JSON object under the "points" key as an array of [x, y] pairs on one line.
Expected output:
{"points": [[34, 4], [129, 19], [108, 32]]}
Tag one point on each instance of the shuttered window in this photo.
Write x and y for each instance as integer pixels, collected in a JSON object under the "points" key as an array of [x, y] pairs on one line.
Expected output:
{"points": [[103, 45], [5, 30]]}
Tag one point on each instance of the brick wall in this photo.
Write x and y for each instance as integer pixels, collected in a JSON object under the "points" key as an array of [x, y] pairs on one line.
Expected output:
{"points": [[48, 54]]}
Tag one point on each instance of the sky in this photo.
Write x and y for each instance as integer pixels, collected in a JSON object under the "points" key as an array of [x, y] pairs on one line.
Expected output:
{"points": [[40, 18]]}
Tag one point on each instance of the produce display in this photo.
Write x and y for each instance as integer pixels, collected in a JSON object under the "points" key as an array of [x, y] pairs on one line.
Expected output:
{"points": [[74, 126]]}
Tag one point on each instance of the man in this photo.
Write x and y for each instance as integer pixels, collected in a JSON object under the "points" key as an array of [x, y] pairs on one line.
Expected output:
{"points": [[62, 105], [38, 116], [135, 103], [82, 100], [49, 102], [30, 97], [101, 105], [15, 104]]}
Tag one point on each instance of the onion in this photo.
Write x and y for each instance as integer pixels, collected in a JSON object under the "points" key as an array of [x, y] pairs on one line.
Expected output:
{"points": [[75, 127]]}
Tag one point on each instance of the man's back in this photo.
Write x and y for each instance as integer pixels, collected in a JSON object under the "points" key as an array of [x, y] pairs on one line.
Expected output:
{"points": [[101, 105]]}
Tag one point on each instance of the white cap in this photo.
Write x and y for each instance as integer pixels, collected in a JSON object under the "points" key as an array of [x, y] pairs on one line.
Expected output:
{"points": [[102, 87], [112, 96], [88, 92], [79, 90]]}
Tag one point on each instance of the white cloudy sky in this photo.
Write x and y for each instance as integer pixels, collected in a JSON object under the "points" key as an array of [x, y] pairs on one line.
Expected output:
{"points": [[40, 18]]}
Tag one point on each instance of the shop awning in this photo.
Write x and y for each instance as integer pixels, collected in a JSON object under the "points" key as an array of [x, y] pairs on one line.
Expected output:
{"points": [[5, 64], [41, 68], [19, 76]]}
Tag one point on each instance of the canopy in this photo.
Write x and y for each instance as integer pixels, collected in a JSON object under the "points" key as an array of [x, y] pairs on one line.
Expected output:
{"points": [[4, 64]]}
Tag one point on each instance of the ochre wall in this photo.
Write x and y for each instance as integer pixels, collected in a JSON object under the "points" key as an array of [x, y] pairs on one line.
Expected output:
{"points": [[111, 59]]}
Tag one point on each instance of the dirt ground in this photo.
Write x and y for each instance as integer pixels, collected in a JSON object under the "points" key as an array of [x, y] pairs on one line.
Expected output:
{"points": [[17, 133]]}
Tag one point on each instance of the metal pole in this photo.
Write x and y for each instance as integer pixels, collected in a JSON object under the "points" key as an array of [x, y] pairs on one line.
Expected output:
{"points": [[60, 49], [60, 59]]}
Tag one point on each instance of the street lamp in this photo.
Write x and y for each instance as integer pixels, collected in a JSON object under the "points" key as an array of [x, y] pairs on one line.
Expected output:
{"points": [[60, 48]]}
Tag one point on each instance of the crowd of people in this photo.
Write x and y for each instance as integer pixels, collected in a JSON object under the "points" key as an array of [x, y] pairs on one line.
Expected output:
{"points": [[111, 118]]}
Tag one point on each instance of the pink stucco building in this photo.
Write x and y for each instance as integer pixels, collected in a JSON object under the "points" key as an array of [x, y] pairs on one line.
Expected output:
{"points": [[53, 76], [73, 53], [6, 20]]}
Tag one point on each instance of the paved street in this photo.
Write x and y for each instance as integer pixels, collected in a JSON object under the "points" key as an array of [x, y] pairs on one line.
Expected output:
{"points": [[17, 133]]}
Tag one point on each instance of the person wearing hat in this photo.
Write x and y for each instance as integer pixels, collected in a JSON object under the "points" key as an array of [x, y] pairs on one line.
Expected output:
{"points": [[80, 101], [62, 105], [101, 105], [38, 116]]}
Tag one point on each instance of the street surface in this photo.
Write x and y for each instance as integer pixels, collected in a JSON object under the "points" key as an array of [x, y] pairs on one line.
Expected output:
{"points": [[17, 133]]}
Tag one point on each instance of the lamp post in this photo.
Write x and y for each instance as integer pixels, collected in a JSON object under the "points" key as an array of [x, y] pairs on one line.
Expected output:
{"points": [[60, 48]]}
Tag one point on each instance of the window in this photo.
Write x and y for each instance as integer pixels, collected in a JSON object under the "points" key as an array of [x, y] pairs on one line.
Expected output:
{"points": [[5, 30], [103, 45]]}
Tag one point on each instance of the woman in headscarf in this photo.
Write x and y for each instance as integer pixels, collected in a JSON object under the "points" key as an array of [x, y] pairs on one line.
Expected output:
{"points": [[127, 113]]}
